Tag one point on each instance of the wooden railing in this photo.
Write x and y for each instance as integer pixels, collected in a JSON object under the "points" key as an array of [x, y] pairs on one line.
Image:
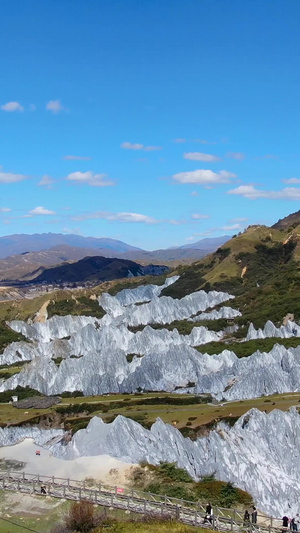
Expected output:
{"points": [[134, 500]]}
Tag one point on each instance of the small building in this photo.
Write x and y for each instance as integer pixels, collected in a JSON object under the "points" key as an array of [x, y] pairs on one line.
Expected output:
{"points": [[14, 399]]}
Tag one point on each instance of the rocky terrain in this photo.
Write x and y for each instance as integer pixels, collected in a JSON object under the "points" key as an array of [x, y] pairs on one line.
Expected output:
{"points": [[94, 352], [256, 454], [183, 335]]}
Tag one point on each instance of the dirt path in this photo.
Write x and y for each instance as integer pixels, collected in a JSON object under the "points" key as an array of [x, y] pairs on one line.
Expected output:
{"points": [[42, 315]]}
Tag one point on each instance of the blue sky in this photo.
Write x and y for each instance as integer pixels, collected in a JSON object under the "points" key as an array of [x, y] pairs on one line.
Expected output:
{"points": [[156, 122]]}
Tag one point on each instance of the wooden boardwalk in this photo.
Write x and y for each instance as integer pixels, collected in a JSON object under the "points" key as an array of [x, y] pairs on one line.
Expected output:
{"points": [[132, 500]]}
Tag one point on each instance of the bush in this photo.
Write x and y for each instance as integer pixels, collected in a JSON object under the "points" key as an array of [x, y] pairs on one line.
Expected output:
{"points": [[173, 472], [7, 336], [81, 517], [21, 392], [81, 306]]}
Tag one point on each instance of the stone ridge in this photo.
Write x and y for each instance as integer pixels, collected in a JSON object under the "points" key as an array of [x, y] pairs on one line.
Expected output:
{"points": [[257, 454]]}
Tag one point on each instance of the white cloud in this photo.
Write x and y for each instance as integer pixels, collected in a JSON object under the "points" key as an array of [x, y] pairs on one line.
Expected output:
{"points": [[204, 141], [190, 239], [175, 222], [194, 193], [198, 156], [267, 156], [230, 227], [248, 191], [32, 107], [41, 211], [120, 217], [5, 209], [204, 177], [90, 178], [152, 148], [239, 219], [9, 177], [199, 216], [73, 231], [179, 140], [55, 106], [236, 155], [10, 107], [76, 158], [292, 181], [137, 146], [46, 181]]}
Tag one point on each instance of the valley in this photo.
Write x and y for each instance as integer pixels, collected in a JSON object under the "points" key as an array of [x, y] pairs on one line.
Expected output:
{"points": [[184, 367]]}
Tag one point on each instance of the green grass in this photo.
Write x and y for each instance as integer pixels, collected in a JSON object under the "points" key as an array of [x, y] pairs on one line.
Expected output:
{"points": [[40, 520], [270, 286], [7, 336], [82, 305], [184, 327], [168, 479], [244, 349], [189, 416]]}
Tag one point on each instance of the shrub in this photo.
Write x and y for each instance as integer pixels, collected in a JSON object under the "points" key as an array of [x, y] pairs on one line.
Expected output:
{"points": [[81, 517], [173, 472]]}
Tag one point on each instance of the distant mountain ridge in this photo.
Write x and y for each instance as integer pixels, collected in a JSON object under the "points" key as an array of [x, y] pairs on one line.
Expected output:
{"points": [[98, 269], [22, 255], [291, 220], [20, 243]]}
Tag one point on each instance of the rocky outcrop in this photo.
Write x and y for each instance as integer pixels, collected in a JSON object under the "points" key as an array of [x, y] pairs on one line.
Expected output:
{"points": [[143, 293], [291, 329], [224, 312], [167, 361], [57, 327], [258, 454], [94, 352], [163, 310]]}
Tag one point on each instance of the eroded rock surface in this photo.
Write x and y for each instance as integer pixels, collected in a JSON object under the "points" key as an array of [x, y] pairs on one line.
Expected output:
{"points": [[258, 454]]}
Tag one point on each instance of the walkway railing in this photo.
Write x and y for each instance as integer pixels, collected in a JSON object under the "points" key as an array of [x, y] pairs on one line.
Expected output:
{"points": [[127, 499]]}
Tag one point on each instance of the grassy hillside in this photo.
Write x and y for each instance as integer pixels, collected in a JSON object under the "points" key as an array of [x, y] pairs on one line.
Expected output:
{"points": [[175, 482], [260, 267]]}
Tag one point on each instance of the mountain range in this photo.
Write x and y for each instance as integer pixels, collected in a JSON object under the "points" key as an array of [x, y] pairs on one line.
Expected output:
{"points": [[23, 256]]}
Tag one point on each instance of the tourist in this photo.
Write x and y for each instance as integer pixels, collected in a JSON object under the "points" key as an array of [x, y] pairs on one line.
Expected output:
{"points": [[246, 517], [297, 522], [209, 513], [254, 515], [285, 523]]}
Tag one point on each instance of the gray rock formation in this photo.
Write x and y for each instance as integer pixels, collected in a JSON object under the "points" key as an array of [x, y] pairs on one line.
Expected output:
{"points": [[258, 454], [224, 312], [164, 361], [143, 293], [160, 310], [57, 327], [291, 329]]}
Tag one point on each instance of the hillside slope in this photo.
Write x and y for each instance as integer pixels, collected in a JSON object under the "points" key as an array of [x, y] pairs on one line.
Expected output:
{"points": [[260, 267], [97, 268], [20, 243]]}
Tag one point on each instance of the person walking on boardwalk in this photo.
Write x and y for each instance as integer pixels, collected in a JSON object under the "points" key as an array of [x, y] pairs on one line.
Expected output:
{"points": [[246, 518], [254, 515], [285, 523], [209, 513]]}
